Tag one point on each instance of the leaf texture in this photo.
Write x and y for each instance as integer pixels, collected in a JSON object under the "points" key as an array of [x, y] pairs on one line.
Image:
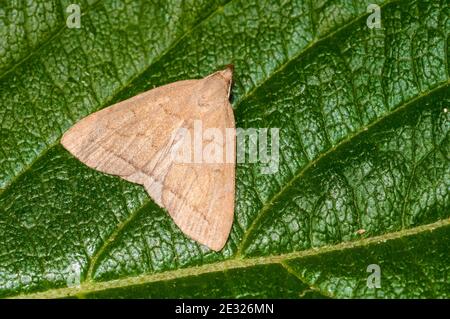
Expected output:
{"points": [[363, 118]]}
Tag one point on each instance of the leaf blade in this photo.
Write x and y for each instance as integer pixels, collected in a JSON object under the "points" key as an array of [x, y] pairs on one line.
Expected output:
{"points": [[111, 230]]}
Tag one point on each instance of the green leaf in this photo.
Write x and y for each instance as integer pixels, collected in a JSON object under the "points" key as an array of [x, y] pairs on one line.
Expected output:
{"points": [[364, 134]]}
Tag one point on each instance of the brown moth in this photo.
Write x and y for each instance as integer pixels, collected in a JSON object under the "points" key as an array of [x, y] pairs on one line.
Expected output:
{"points": [[135, 139]]}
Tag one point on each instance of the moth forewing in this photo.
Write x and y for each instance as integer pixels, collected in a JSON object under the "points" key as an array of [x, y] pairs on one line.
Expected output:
{"points": [[138, 139]]}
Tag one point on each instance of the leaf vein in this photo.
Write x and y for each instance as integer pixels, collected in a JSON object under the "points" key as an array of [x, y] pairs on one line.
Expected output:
{"points": [[234, 263]]}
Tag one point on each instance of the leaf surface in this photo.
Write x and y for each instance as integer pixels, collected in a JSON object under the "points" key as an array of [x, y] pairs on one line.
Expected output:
{"points": [[363, 118]]}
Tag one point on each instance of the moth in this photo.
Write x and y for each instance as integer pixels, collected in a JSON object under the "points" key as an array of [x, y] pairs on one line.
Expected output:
{"points": [[139, 140]]}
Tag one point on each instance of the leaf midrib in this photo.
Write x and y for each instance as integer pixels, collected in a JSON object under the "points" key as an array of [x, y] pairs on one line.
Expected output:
{"points": [[234, 263]]}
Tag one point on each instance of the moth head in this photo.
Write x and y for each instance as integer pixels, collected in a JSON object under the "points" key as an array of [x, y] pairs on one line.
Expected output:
{"points": [[216, 88]]}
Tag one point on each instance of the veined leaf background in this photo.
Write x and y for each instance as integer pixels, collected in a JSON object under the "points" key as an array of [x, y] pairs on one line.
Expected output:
{"points": [[364, 145]]}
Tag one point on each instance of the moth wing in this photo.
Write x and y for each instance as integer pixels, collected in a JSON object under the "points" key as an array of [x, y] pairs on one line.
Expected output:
{"points": [[200, 197], [132, 138]]}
